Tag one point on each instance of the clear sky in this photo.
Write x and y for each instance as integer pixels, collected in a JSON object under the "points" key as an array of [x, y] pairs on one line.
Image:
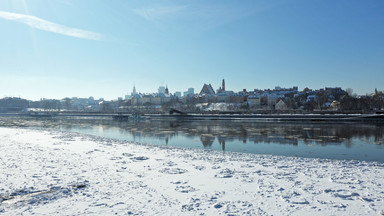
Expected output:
{"points": [[65, 48]]}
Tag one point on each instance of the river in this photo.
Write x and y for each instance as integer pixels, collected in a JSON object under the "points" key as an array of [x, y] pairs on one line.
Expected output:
{"points": [[358, 141]]}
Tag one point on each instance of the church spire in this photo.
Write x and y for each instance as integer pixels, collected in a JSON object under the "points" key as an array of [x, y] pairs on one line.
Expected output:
{"points": [[166, 89], [134, 90]]}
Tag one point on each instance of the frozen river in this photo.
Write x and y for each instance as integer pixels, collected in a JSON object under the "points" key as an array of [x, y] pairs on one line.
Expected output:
{"points": [[312, 140]]}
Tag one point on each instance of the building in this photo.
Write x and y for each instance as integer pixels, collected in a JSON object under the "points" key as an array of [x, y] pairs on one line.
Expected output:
{"points": [[254, 100], [224, 96], [9, 104], [166, 91], [161, 90], [178, 94], [151, 99], [222, 88], [134, 91], [189, 92], [281, 105], [335, 105], [207, 90]]}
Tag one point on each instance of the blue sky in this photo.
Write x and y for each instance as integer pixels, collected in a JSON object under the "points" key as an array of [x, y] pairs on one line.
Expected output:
{"points": [[65, 48]]}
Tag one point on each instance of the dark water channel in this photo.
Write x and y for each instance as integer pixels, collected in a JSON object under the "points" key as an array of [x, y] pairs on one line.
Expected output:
{"points": [[316, 140]]}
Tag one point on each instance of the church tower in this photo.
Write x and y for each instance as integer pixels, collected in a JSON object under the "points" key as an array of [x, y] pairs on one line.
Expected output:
{"points": [[134, 90], [166, 90]]}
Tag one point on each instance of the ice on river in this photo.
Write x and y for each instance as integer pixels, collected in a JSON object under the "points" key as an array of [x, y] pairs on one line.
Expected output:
{"points": [[58, 173]]}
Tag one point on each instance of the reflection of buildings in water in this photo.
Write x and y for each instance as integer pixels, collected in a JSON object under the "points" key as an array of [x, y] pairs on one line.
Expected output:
{"points": [[326, 136], [275, 139], [378, 137], [226, 131], [221, 140], [244, 134], [207, 140], [283, 133]]}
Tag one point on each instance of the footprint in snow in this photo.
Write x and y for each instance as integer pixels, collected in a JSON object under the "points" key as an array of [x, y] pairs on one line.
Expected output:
{"points": [[299, 201], [225, 173], [346, 196], [248, 180], [185, 189], [173, 171], [169, 163], [140, 158], [199, 167], [366, 199], [218, 205], [179, 182], [127, 155]]}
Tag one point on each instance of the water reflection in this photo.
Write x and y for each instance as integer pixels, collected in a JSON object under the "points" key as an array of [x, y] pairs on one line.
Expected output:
{"points": [[247, 132], [223, 131], [342, 140]]}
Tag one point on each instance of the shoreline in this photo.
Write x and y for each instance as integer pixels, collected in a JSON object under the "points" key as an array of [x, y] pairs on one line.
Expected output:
{"points": [[333, 117], [278, 117], [51, 172]]}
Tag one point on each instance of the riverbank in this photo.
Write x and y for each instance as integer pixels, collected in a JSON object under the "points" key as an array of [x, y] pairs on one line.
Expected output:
{"points": [[334, 117], [276, 117], [56, 173]]}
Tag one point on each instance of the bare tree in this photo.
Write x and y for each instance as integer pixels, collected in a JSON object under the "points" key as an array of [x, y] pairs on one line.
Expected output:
{"points": [[350, 92]]}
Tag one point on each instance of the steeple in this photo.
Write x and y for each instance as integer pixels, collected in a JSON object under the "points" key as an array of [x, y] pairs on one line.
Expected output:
{"points": [[134, 90], [166, 89]]}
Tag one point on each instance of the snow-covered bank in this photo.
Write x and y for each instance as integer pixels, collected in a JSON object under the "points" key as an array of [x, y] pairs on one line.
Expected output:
{"points": [[56, 173]]}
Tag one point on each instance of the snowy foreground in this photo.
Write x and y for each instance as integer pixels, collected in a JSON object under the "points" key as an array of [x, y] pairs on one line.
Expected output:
{"points": [[56, 173]]}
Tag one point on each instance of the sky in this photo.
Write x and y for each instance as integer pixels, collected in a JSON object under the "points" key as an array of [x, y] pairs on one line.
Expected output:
{"points": [[71, 48]]}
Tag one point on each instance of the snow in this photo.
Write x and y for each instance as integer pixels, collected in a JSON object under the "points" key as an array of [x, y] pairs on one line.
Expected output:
{"points": [[60, 173]]}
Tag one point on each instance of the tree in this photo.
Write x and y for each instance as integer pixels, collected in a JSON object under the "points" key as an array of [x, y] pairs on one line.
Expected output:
{"points": [[350, 92], [106, 107], [67, 103], [322, 98]]}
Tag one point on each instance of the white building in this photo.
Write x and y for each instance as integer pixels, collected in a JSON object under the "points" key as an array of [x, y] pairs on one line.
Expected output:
{"points": [[178, 94], [281, 105], [134, 91], [161, 90], [190, 92]]}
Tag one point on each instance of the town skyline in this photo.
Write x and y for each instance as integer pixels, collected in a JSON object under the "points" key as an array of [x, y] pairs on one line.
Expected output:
{"points": [[207, 100], [196, 91]]}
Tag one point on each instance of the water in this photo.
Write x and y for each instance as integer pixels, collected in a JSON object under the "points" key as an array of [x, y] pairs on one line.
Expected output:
{"points": [[315, 140]]}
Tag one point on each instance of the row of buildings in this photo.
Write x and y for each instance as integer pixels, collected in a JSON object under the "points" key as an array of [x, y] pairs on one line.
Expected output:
{"points": [[271, 99], [210, 100]]}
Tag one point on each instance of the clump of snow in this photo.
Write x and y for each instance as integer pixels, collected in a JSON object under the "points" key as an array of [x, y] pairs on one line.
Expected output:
{"points": [[50, 172]]}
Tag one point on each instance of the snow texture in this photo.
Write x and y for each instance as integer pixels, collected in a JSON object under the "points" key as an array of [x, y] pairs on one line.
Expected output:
{"points": [[58, 173]]}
